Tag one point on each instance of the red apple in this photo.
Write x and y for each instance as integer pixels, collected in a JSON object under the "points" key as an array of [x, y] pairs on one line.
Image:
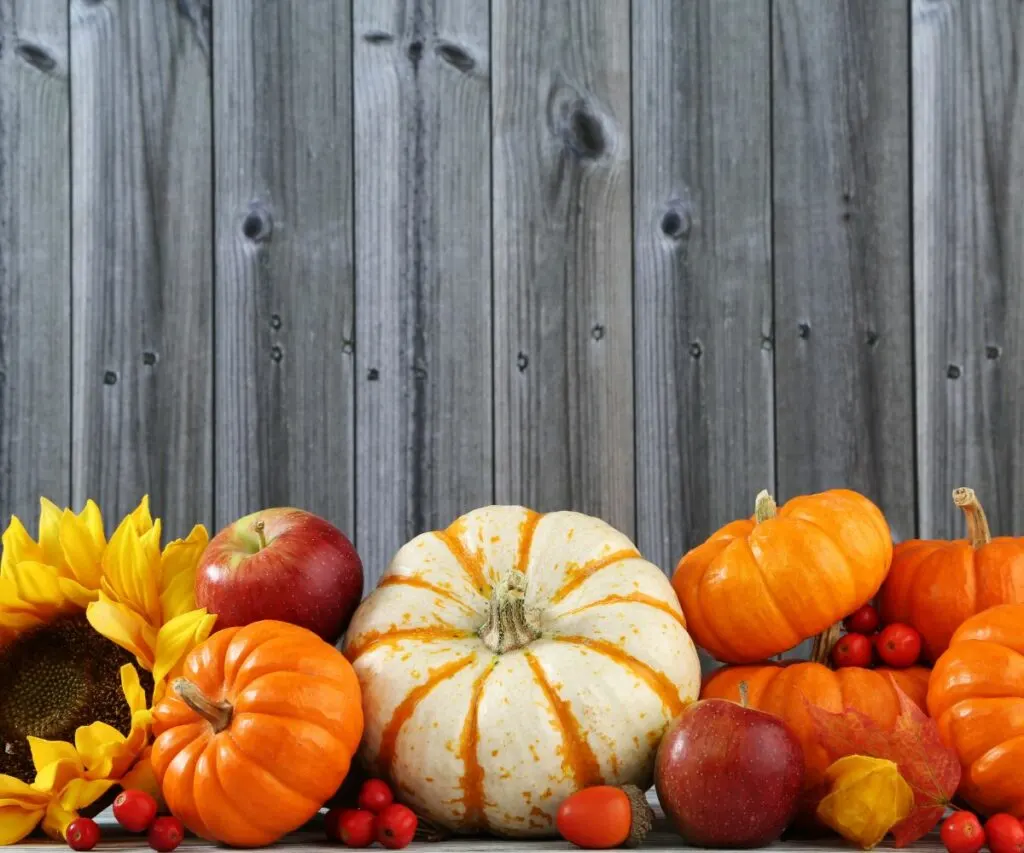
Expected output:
{"points": [[728, 776], [281, 563]]}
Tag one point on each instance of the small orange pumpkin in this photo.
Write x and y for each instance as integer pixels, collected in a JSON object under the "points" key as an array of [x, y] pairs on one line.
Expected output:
{"points": [[257, 734], [935, 585], [760, 586], [976, 696]]}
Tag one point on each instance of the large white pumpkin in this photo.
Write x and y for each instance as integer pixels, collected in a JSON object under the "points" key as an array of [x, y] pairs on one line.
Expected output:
{"points": [[513, 659]]}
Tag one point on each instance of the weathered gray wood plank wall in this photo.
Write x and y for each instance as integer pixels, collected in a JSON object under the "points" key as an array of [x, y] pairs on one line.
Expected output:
{"points": [[390, 260]]}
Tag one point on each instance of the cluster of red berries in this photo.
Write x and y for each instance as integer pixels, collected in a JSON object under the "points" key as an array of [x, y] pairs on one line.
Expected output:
{"points": [[379, 818], [897, 645], [136, 812], [962, 832]]}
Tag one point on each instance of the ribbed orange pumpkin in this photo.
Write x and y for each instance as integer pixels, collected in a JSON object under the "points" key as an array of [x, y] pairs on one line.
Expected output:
{"points": [[257, 734], [780, 689], [976, 696], [760, 586], [935, 585]]}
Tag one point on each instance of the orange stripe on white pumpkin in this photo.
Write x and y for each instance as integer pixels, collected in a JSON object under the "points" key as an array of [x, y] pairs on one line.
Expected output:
{"points": [[578, 759], [472, 779], [632, 598], [373, 639], [421, 583], [526, 531], [658, 682], [472, 564], [577, 575]]}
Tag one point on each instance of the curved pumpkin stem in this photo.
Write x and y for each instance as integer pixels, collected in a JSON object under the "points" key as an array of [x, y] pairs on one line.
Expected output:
{"points": [[977, 523], [764, 507], [217, 714], [509, 626], [821, 651]]}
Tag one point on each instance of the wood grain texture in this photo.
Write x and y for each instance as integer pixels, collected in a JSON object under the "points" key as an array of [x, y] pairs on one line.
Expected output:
{"points": [[841, 194], [423, 262], [968, 131], [285, 292], [142, 259], [35, 258], [703, 286], [562, 262]]}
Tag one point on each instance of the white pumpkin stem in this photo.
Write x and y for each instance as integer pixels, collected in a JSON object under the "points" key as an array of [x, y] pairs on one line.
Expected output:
{"points": [[509, 625], [764, 507], [217, 714], [977, 522]]}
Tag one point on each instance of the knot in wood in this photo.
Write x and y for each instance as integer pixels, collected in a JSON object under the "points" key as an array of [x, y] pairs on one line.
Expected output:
{"points": [[415, 50], [456, 56], [993, 352], [597, 332], [149, 358], [36, 55], [872, 337], [696, 350], [804, 330], [522, 361], [378, 37], [258, 224], [676, 222], [275, 321]]}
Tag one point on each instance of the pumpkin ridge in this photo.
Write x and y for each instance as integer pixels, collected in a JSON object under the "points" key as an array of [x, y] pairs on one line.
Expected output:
{"points": [[769, 594], [407, 707], [659, 683], [697, 591], [632, 598], [421, 583], [256, 761], [472, 779], [578, 576], [471, 564], [226, 792], [851, 570], [578, 759], [371, 639], [526, 531]]}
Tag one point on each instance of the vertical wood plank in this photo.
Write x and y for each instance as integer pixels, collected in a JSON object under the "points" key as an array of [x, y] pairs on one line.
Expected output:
{"points": [[562, 259], [844, 384], [35, 258], [703, 301], [142, 258], [285, 298], [423, 258], [968, 131]]}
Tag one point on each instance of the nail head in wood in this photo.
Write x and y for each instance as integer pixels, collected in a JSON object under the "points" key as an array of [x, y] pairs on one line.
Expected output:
{"points": [[348, 346], [805, 330], [953, 371], [993, 352], [872, 337], [276, 353], [275, 321], [597, 332], [372, 375], [696, 350], [766, 342], [149, 358], [110, 377], [522, 361]]}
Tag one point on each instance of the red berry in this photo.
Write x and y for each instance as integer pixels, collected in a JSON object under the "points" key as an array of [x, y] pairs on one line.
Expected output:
{"points": [[165, 833], [375, 795], [396, 826], [863, 620], [899, 645], [962, 833], [353, 827], [83, 834], [134, 810], [852, 650], [1004, 834]]}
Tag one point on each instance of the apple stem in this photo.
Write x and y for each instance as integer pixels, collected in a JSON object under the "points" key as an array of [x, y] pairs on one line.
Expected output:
{"points": [[258, 527], [217, 714], [744, 694]]}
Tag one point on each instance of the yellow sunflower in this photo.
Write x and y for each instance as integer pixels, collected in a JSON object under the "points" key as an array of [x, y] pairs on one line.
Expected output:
{"points": [[91, 634]]}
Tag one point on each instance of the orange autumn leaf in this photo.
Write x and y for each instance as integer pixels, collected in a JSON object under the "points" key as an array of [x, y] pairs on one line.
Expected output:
{"points": [[930, 768]]}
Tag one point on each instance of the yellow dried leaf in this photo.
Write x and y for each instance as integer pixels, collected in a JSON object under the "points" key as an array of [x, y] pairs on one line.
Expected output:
{"points": [[867, 797]]}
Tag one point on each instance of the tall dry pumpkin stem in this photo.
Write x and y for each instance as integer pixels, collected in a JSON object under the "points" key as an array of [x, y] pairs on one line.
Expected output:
{"points": [[977, 524], [764, 507], [821, 650], [217, 714], [509, 626]]}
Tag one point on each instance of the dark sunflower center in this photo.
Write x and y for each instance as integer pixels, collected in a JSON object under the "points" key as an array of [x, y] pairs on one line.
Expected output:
{"points": [[55, 679]]}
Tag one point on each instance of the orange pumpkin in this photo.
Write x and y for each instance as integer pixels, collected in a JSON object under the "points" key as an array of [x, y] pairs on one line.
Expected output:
{"points": [[976, 696], [761, 586], [936, 585], [257, 733], [781, 689]]}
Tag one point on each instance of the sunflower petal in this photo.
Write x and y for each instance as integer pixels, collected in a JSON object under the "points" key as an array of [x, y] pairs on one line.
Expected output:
{"points": [[128, 577], [47, 754], [18, 545], [124, 626], [132, 688], [83, 552], [18, 816], [40, 587], [92, 519], [78, 794], [176, 639], [95, 743], [49, 533], [178, 571], [140, 517]]}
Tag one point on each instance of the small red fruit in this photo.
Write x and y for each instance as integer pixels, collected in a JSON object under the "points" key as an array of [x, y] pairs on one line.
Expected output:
{"points": [[396, 826], [134, 810], [863, 620], [1004, 834], [605, 816], [375, 795], [899, 645], [352, 827], [962, 833], [852, 650], [83, 834], [165, 833]]}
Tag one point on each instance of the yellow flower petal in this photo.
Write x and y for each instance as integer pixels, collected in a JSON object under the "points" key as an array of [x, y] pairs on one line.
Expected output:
{"points": [[17, 818], [176, 639], [129, 577], [132, 687], [49, 533], [18, 545], [40, 587], [140, 517], [78, 794], [178, 572], [50, 752], [83, 551], [92, 519], [124, 626], [103, 749]]}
